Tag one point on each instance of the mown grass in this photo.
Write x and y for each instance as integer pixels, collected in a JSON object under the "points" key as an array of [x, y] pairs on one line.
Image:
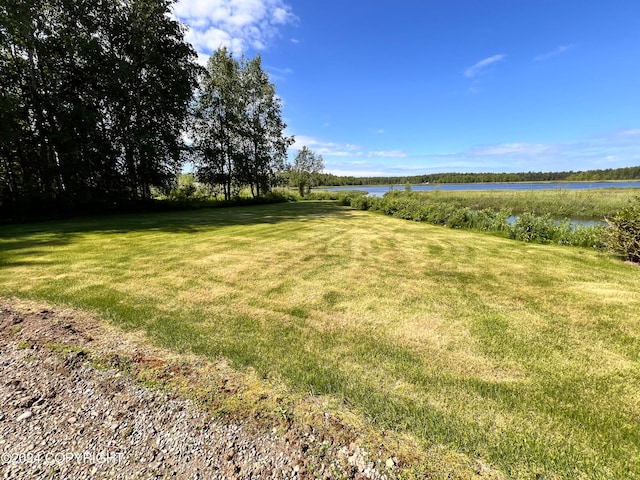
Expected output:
{"points": [[518, 359]]}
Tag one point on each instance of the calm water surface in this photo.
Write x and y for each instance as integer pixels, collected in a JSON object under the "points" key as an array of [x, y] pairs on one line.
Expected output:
{"points": [[378, 191]]}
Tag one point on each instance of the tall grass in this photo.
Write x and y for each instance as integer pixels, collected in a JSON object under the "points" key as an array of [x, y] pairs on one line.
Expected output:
{"points": [[558, 203], [537, 213], [496, 357], [526, 227]]}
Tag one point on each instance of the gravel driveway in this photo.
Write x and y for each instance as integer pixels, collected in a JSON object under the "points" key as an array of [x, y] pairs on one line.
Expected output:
{"points": [[61, 416]]}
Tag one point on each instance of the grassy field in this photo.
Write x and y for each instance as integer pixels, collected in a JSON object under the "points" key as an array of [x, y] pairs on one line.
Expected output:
{"points": [[520, 359], [559, 203]]}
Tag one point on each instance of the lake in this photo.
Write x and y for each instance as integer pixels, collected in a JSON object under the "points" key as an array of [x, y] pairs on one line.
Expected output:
{"points": [[379, 190]]}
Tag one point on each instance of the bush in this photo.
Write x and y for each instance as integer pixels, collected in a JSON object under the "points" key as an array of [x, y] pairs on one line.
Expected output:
{"points": [[530, 228], [362, 202], [624, 235], [343, 197], [585, 236]]}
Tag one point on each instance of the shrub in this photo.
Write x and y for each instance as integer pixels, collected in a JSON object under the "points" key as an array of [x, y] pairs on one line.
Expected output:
{"points": [[361, 202], [624, 234], [585, 236], [530, 228], [459, 218], [343, 197]]}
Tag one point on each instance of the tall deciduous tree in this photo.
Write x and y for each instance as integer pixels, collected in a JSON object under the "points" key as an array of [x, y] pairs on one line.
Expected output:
{"points": [[93, 97], [237, 129], [307, 165], [153, 84], [264, 145], [217, 117]]}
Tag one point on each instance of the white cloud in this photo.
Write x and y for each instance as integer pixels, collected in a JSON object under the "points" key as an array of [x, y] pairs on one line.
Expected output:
{"points": [[630, 133], [322, 147], [614, 150], [557, 51], [236, 24], [387, 154], [609, 151], [483, 65], [203, 58], [333, 149], [277, 73], [522, 149]]}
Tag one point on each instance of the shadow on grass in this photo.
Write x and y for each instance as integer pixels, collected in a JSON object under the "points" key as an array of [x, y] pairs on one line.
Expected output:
{"points": [[35, 239], [181, 221], [24, 251]]}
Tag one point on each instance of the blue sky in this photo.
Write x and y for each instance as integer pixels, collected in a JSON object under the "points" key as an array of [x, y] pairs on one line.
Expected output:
{"points": [[412, 87]]}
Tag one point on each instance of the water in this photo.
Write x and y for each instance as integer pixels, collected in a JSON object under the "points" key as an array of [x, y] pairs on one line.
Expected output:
{"points": [[378, 190], [574, 222]]}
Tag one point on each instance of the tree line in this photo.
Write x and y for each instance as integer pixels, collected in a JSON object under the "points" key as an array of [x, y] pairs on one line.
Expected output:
{"points": [[97, 97], [94, 97], [627, 173]]}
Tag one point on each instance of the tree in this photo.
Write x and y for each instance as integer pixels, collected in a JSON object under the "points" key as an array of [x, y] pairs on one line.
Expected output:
{"points": [[306, 168], [154, 77], [93, 98], [264, 145], [237, 126], [215, 127]]}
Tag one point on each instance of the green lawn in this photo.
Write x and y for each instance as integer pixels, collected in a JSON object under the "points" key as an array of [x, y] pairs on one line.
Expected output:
{"points": [[522, 358]]}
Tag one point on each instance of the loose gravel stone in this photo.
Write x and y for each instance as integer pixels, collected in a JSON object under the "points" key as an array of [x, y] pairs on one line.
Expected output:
{"points": [[63, 418], [24, 416]]}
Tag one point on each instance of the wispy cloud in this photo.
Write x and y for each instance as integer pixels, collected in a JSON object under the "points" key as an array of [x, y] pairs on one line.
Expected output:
{"points": [[525, 149], [277, 73], [387, 154], [325, 148], [236, 24], [483, 65], [614, 150], [620, 149], [334, 149], [630, 133], [556, 51]]}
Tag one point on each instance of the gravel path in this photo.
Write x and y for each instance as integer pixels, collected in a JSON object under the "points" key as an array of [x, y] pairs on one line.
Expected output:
{"points": [[61, 417]]}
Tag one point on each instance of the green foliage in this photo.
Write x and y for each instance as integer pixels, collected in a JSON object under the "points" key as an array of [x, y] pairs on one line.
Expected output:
{"points": [[362, 202], [188, 188], [304, 172], [237, 126], [342, 197], [530, 228], [624, 238], [559, 203], [527, 227], [93, 102], [196, 202]]}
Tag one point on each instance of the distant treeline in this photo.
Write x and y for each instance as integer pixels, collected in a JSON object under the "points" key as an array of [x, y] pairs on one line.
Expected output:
{"points": [[628, 173]]}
